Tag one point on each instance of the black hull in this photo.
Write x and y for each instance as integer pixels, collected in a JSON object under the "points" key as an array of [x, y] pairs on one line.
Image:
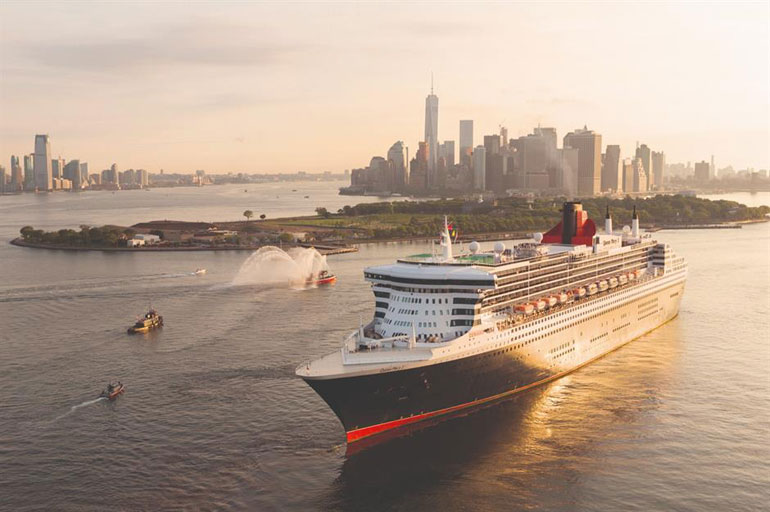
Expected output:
{"points": [[372, 404]]}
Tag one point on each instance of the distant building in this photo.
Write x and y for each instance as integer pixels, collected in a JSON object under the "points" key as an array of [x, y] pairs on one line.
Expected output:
{"points": [[71, 172], [397, 162], [702, 171], [658, 165], [447, 152], [628, 176], [612, 170], [479, 168], [143, 178], [640, 176], [466, 141], [3, 180], [17, 175], [29, 172], [42, 162], [431, 128], [84, 173], [57, 167], [645, 154], [589, 146], [492, 144]]}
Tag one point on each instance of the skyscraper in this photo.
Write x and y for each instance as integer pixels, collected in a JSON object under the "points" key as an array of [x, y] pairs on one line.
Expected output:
{"points": [[479, 168], [628, 176], [42, 162], [658, 165], [17, 177], [72, 172], [447, 152], [431, 128], [29, 172], [645, 154], [702, 171], [397, 160], [640, 176], [466, 135], [612, 171], [589, 146]]}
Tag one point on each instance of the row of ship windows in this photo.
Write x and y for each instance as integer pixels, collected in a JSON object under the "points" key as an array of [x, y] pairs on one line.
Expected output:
{"points": [[561, 347], [616, 329]]}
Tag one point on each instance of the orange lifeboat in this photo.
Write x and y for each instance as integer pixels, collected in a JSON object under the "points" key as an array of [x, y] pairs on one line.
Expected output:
{"points": [[524, 309], [563, 298], [579, 293], [603, 285], [539, 305], [592, 289], [551, 301]]}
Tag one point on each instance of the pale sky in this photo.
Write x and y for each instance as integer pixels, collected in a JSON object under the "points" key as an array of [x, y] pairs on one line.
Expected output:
{"points": [[276, 87]]}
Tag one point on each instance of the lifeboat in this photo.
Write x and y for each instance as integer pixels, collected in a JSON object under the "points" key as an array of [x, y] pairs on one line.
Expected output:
{"points": [[603, 285], [563, 298], [613, 282], [551, 301], [525, 309], [579, 293], [570, 297], [592, 289], [631, 276], [623, 279], [539, 305]]}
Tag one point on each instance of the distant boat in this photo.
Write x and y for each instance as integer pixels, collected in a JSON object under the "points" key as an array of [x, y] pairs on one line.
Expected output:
{"points": [[112, 391], [323, 277], [151, 320], [307, 197], [199, 271]]}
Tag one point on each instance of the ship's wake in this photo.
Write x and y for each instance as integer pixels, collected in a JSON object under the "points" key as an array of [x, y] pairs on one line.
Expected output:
{"points": [[272, 266], [78, 406]]}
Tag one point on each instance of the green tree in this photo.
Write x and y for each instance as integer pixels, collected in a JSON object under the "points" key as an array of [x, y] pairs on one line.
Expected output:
{"points": [[286, 237], [322, 212], [248, 214], [263, 216]]}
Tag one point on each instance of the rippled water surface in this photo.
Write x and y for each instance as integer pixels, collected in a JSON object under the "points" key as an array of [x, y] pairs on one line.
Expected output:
{"points": [[214, 419]]}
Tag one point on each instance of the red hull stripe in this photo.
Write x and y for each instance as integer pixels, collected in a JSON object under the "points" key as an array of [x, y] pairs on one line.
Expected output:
{"points": [[361, 433]]}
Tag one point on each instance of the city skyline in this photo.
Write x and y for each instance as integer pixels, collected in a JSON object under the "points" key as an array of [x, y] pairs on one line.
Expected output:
{"points": [[193, 98]]}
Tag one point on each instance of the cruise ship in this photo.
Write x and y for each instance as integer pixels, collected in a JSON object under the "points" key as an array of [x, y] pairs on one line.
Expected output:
{"points": [[451, 332]]}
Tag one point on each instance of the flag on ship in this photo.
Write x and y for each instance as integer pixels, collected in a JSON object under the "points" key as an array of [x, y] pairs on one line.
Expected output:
{"points": [[452, 231]]}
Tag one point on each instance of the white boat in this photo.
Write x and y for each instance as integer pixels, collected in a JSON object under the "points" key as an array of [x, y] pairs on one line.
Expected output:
{"points": [[200, 271]]}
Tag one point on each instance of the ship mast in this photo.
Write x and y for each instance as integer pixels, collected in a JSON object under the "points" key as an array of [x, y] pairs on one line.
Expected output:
{"points": [[446, 242]]}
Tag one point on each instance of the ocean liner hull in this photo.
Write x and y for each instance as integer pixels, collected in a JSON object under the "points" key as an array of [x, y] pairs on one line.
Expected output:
{"points": [[371, 404]]}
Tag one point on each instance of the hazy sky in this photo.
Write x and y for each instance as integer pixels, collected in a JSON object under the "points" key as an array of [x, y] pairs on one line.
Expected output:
{"points": [[275, 87]]}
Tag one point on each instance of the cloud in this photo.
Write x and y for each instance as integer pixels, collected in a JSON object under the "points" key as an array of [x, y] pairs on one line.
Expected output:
{"points": [[191, 44]]}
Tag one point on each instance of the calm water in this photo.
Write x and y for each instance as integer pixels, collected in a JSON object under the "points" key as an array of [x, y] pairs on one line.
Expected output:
{"points": [[214, 419]]}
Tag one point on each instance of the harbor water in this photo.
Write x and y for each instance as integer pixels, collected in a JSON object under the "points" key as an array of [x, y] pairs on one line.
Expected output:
{"points": [[213, 417]]}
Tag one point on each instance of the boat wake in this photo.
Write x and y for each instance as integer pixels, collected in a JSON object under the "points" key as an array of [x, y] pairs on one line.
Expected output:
{"points": [[76, 407], [273, 266]]}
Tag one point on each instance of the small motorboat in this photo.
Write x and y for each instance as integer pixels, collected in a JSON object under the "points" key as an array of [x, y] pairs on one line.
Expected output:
{"points": [[199, 271], [113, 390], [151, 320], [323, 277]]}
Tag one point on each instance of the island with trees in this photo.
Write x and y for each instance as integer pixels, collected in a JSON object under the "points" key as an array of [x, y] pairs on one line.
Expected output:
{"points": [[399, 220]]}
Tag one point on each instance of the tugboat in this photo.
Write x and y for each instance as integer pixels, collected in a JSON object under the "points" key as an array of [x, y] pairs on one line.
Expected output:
{"points": [[151, 320], [112, 391], [323, 277]]}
